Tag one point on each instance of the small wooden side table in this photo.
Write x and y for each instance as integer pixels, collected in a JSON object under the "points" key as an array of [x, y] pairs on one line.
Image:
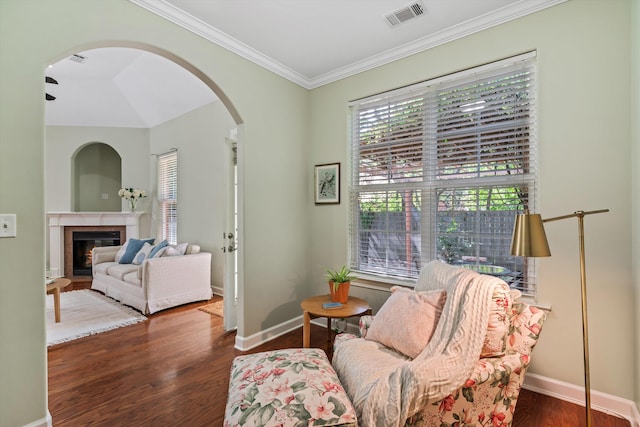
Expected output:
{"points": [[312, 308], [59, 283]]}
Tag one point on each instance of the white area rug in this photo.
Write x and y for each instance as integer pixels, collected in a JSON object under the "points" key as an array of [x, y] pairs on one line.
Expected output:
{"points": [[85, 313]]}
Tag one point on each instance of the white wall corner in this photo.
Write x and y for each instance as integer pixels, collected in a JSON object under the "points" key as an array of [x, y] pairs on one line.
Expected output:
{"points": [[247, 343], [42, 422], [259, 338]]}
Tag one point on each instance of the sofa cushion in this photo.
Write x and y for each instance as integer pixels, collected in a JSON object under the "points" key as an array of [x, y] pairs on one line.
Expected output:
{"points": [[361, 364], [132, 248], [103, 267], [406, 321], [133, 278], [117, 271]]}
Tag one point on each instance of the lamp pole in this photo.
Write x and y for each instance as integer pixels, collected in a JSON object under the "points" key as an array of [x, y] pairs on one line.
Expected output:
{"points": [[583, 286]]}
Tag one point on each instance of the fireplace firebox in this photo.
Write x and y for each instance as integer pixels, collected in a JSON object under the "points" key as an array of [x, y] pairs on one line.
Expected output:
{"points": [[84, 242]]}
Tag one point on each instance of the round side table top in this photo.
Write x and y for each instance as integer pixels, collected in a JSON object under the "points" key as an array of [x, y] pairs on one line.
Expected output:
{"points": [[353, 307], [60, 282]]}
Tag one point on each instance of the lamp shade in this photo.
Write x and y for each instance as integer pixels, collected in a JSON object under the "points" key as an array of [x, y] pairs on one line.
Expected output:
{"points": [[529, 238]]}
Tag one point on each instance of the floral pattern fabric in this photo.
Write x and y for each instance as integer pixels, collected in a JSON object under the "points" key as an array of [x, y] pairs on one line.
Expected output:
{"points": [[291, 387], [488, 397]]}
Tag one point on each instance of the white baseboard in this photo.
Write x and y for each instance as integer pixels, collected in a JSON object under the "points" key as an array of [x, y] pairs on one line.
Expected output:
{"points": [[217, 290], [602, 402], [43, 422], [247, 343], [252, 341]]}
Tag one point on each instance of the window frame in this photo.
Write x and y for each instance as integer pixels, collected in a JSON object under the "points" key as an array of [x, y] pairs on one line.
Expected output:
{"points": [[168, 196], [527, 179]]}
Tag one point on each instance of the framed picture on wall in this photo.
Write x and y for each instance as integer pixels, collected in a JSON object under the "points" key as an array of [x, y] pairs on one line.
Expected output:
{"points": [[327, 184]]}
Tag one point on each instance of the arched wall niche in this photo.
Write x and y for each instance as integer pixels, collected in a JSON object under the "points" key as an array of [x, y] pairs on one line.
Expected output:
{"points": [[96, 177]]}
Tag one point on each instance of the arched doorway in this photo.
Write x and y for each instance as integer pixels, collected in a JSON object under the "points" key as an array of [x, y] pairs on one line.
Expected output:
{"points": [[160, 135]]}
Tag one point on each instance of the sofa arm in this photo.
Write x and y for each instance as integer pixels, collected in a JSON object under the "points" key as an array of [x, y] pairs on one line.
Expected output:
{"points": [[165, 276], [488, 397], [491, 393], [104, 254]]}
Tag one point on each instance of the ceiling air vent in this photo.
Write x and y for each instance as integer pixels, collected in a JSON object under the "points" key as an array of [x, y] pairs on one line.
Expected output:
{"points": [[77, 58], [405, 13]]}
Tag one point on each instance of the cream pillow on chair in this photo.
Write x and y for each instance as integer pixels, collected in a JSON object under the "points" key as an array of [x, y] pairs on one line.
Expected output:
{"points": [[407, 320]]}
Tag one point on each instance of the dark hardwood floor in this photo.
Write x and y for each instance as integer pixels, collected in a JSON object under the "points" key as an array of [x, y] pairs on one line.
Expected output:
{"points": [[173, 370]]}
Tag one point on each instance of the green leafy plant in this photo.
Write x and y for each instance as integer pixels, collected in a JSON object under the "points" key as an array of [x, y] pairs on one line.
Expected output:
{"points": [[340, 276]]}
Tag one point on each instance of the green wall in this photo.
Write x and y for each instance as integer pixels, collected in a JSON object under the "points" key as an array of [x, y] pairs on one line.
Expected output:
{"points": [[272, 112], [200, 138], [585, 134], [62, 145], [585, 144], [97, 172], [635, 190]]}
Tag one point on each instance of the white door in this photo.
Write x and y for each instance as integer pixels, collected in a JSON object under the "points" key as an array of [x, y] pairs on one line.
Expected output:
{"points": [[230, 239]]}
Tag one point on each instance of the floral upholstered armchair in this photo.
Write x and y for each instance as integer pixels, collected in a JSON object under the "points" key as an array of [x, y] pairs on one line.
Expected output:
{"points": [[453, 380]]}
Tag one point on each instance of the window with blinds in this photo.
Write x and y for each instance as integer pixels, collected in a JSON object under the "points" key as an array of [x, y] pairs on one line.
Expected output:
{"points": [[439, 171], [168, 196]]}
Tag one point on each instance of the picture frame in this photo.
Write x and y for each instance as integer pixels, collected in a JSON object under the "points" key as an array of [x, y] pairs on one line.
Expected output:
{"points": [[327, 184]]}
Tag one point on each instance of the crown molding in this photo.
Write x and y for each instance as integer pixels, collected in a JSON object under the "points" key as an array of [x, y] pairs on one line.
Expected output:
{"points": [[196, 26], [483, 22]]}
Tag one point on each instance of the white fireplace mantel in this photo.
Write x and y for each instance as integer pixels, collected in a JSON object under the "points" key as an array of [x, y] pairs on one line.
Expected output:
{"points": [[58, 220]]}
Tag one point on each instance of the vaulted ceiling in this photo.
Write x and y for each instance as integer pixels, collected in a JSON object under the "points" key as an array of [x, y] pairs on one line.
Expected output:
{"points": [[310, 42]]}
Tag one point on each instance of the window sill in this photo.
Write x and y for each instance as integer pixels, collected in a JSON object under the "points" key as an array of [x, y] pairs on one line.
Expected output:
{"points": [[384, 284], [380, 283]]}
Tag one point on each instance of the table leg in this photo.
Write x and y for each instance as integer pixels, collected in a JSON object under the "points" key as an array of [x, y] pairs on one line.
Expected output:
{"points": [[56, 303], [306, 329], [328, 334]]}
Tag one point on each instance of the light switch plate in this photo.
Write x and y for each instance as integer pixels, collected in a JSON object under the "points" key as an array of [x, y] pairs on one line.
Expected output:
{"points": [[7, 225]]}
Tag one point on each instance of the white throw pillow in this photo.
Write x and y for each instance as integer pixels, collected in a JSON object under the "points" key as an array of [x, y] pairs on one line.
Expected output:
{"points": [[121, 252], [142, 254], [174, 250], [407, 320]]}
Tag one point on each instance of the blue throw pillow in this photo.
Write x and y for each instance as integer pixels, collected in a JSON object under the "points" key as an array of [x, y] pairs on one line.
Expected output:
{"points": [[133, 246], [157, 248]]}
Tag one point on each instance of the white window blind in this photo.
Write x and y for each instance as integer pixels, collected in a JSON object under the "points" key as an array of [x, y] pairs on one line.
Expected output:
{"points": [[440, 169], [168, 196]]}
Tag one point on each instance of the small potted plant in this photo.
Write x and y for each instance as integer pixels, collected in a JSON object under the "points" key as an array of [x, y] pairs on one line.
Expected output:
{"points": [[339, 283]]}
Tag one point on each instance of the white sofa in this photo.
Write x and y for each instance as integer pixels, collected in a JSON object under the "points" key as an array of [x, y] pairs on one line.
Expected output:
{"points": [[156, 284]]}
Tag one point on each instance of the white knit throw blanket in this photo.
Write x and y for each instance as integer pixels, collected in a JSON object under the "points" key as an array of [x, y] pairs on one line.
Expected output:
{"points": [[451, 355]]}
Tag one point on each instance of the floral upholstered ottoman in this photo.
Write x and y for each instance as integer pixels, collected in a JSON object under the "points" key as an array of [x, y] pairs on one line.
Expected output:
{"points": [[291, 387]]}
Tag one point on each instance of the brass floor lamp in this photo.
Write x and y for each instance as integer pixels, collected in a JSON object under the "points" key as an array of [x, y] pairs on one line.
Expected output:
{"points": [[530, 240]]}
